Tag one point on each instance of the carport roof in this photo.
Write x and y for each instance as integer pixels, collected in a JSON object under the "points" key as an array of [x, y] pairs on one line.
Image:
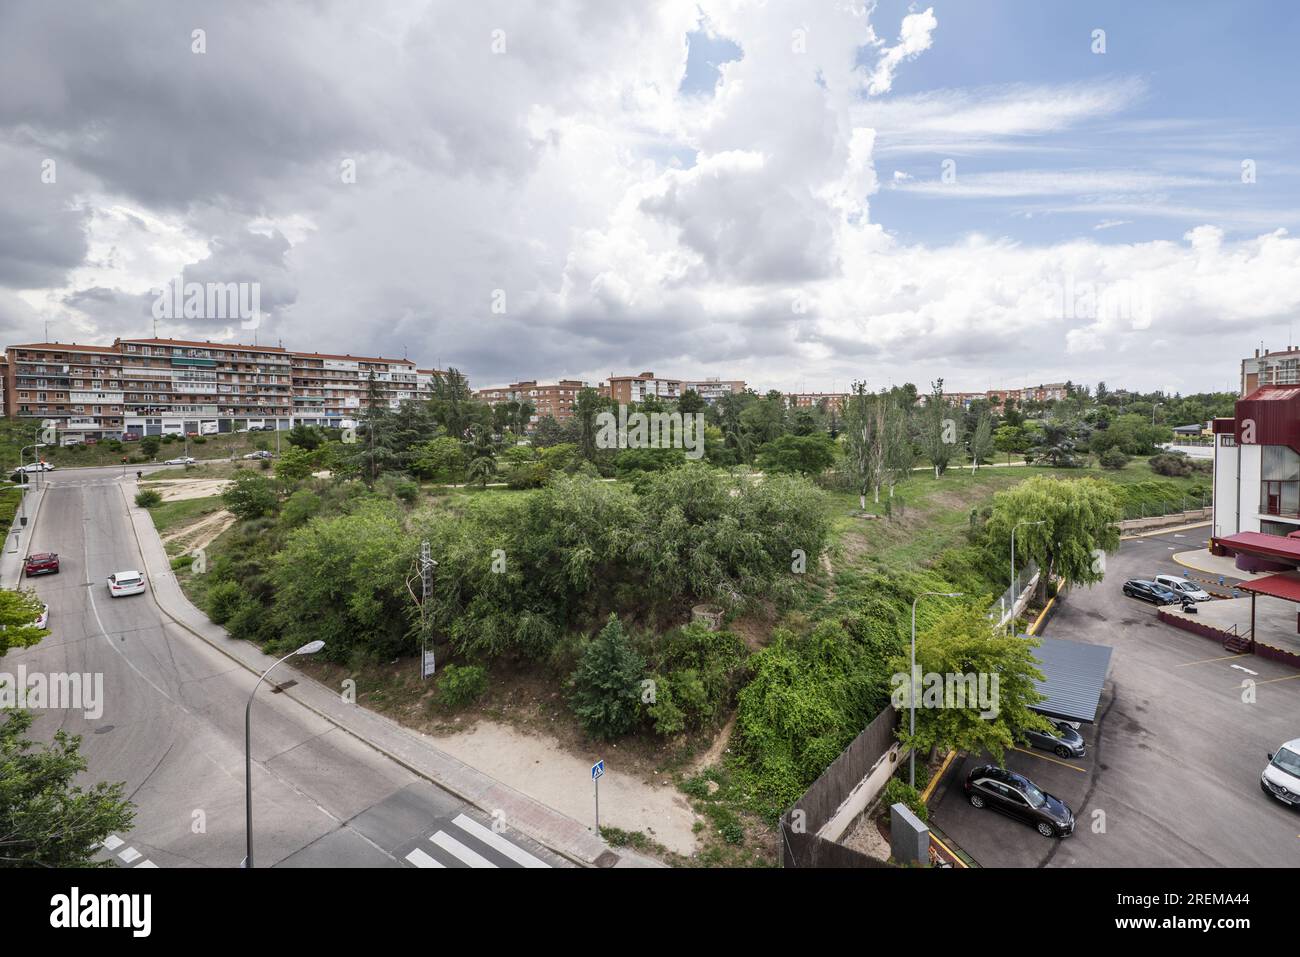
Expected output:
{"points": [[1259, 543], [1074, 673], [1283, 586]]}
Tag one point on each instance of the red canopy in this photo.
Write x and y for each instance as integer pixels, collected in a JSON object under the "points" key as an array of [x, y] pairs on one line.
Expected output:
{"points": [[1284, 586]]}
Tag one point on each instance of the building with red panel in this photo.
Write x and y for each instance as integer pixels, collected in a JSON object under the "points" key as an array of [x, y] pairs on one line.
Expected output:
{"points": [[1257, 465]]}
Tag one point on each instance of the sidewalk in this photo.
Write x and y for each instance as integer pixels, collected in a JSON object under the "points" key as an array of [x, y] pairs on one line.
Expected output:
{"points": [[19, 540], [560, 833]]}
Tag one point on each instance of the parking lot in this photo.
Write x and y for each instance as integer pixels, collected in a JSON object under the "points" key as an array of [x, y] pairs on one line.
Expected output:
{"points": [[1172, 772]]}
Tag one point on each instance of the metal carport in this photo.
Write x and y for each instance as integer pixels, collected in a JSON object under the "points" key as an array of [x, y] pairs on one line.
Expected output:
{"points": [[1073, 675]]}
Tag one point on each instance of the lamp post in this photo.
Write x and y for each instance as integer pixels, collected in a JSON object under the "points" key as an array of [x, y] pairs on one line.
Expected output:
{"points": [[911, 698], [1013, 558], [308, 649]]}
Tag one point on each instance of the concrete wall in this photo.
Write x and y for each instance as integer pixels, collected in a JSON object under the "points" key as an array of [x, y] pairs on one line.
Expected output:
{"points": [[863, 793], [1225, 491]]}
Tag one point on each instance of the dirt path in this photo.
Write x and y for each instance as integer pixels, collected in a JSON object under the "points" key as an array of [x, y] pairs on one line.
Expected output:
{"points": [[537, 766], [201, 533], [180, 489], [717, 748]]}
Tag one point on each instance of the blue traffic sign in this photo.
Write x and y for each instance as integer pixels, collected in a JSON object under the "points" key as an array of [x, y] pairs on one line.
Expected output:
{"points": [[598, 769]]}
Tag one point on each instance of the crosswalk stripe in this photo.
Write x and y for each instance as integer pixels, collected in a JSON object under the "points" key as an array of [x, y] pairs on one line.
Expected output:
{"points": [[459, 850], [421, 859], [112, 842], [146, 864], [497, 842], [130, 854]]}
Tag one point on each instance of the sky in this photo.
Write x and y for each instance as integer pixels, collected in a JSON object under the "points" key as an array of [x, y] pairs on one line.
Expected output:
{"points": [[996, 192]]}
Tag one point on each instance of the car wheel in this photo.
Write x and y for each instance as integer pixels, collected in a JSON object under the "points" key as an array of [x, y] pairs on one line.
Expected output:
{"points": [[1046, 829], [1062, 751], [976, 801]]}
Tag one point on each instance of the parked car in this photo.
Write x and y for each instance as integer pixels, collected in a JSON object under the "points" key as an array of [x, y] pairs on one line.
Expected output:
{"points": [[263, 454], [38, 467], [43, 619], [1150, 591], [1064, 740], [130, 436], [182, 460], [125, 583], [42, 563], [1281, 777], [1184, 588], [1016, 796]]}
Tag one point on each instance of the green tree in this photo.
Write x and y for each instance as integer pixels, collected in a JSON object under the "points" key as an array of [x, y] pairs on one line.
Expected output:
{"points": [[807, 454], [585, 409], [864, 442], [1011, 439], [18, 613], [482, 470], [45, 819], [981, 441], [1080, 524], [964, 644], [690, 402], [250, 495], [305, 437], [940, 429], [295, 464], [607, 684], [149, 446], [439, 460]]}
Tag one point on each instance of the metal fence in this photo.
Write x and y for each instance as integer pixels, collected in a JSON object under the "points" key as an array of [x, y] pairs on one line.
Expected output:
{"points": [[1161, 507]]}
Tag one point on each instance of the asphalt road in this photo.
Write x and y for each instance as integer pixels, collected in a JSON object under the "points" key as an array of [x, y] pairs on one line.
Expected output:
{"points": [[172, 729], [1172, 774]]}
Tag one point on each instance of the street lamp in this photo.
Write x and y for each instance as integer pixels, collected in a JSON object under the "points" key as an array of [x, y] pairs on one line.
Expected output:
{"points": [[308, 649], [1014, 590], [911, 702]]}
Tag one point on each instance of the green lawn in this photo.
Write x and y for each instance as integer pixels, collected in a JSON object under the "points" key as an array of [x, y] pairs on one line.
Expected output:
{"points": [[169, 515], [14, 435]]}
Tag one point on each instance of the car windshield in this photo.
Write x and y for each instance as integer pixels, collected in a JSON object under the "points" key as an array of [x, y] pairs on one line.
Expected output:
{"points": [[1035, 797], [1288, 761]]}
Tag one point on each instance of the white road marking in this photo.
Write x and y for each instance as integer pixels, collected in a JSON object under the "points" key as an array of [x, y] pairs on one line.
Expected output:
{"points": [[421, 859], [130, 854], [459, 850], [147, 864], [1247, 670], [113, 842], [497, 842]]}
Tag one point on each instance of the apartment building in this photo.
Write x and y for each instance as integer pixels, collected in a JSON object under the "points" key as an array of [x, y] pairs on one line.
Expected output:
{"points": [[626, 389], [554, 400], [1270, 368], [1052, 392], [810, 400], [153, 386]]}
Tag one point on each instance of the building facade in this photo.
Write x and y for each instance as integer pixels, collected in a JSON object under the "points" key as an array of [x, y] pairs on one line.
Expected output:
{"points": [[812, 400], [153, 386], [555, 400], [1270, 368], [1257, 465]]}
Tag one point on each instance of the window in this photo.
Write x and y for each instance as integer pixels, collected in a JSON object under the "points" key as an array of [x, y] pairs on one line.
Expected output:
{"points": [[1280, 481], [1278, 528]]}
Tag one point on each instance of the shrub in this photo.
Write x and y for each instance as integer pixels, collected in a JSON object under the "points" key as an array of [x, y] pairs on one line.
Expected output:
{"points": [[148, 498], [181, 562], [223, 600], [1113, 458], [199, 440], [898, 791], [607, 684], [149, 445], [250, 496], [460, 685], [1172, 464]]}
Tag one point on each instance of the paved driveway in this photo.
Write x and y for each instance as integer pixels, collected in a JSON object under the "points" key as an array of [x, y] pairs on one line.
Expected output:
{"points": [[1172, 772]]}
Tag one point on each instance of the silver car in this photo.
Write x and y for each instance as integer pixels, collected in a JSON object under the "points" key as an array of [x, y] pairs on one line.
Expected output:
{"points": [[1184, 588]]}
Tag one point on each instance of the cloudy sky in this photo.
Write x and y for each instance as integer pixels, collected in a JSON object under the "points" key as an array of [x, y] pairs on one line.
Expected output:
{"points": [[798, 194]]}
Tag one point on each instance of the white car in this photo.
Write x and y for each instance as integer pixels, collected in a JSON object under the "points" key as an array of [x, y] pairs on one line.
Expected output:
{"points": [[38, 467], [1183, 587], [125, 583], [183, 460], [1281, 777]]}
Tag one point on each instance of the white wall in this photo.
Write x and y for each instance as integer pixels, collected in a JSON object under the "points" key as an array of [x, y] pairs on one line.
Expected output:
{"points": [[1251, 459], [1225, 490]]}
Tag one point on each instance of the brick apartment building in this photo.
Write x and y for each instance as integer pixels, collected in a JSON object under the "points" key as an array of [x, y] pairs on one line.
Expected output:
{"points": [[810, 400], [1270, 368], [554, 400], [153, 386], [626, 389]]}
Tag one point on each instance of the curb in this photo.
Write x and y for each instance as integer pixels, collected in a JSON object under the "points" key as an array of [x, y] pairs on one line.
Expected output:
{"points": [[1163, 531], [31, 530], [423, 775]]}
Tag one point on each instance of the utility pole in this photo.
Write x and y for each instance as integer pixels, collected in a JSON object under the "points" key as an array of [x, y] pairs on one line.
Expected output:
{"points": [[427, 564]]}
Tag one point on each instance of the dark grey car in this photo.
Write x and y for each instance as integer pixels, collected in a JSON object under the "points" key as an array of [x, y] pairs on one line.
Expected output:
{"points": [[1063, 740], [1016, 796]]}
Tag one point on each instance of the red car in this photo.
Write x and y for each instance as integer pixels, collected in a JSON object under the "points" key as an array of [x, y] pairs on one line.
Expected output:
{"points": [[42, 563]]}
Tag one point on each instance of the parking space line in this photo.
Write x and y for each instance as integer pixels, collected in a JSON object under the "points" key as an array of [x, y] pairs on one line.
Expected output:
{"points": [[1269, 681], [1202, 661], [1072, 767]]}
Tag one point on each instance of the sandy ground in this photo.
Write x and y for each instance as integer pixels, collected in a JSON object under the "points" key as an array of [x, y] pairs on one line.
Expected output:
{"points": [[201, 533], [864, 836], [175, 491], [538, 767]]}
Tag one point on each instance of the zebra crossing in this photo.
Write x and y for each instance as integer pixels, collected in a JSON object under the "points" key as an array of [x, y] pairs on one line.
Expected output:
{"points": [[128, 856], [467, 843]]}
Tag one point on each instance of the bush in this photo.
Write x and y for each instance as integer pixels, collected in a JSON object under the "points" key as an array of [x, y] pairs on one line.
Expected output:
{"points": [[223, 600], [898, 791], [1113, 458], [1178, 464], [460, 685], [148, 498], [199, 440]]}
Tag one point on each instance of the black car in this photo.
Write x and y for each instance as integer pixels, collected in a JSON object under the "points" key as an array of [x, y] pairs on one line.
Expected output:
{"points": [[1150, 591], [1063, 740], [1016, 796]]}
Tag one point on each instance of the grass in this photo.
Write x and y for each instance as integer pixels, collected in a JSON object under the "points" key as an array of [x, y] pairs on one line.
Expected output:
{"points": [[170, 515], [14, 435]]}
